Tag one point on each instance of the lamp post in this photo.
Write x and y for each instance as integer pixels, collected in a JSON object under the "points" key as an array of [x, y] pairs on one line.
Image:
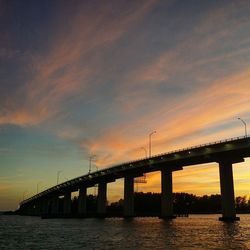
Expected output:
{"points": [[37, 187], [141, 179], [245, 125], [90, 161], [145, 150], [58, 174], [149, 144], [25, 192]]}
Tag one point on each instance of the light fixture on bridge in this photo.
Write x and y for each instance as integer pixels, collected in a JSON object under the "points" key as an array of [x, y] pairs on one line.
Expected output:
{"points": [[58, 174], [229, 145], [208, 150], [245, 125], [24, 193], [176, 156], [90, 161], [145, 150], [37, 186], [149, 143]]}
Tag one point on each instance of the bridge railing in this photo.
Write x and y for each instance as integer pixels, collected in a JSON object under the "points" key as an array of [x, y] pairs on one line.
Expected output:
{"points": [[180, 150], [205, 145]]}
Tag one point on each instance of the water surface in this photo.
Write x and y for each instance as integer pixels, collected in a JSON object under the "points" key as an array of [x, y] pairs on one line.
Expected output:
{"points": [[195, 232]]}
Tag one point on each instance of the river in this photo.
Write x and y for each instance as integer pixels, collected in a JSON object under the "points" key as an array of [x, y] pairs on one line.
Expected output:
{"points": [[194, 232]]}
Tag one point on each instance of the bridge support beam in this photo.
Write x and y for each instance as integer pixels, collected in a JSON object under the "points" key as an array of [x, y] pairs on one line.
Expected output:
{"points": [[128, 196], [227, 192], [67, 204], [166, 194], [82, 202], [102, 199]]}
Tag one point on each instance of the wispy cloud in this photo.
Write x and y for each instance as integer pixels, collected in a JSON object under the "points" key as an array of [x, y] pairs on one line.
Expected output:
{"points": [[65, 70], [204, 109]]}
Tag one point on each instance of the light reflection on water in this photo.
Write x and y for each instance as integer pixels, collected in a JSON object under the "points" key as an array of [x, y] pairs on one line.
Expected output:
{"points": [[195, 232]]}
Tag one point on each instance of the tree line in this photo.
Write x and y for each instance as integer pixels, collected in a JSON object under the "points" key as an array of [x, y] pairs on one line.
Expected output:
{"points": [[183, 203]]}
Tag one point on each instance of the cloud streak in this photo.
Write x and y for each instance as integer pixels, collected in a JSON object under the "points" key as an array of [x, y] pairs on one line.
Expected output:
{"points": [[204, 109], [65, 70]]}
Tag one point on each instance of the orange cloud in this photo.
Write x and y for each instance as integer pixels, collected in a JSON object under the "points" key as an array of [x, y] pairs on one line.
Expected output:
{"points": [[24, 117]]}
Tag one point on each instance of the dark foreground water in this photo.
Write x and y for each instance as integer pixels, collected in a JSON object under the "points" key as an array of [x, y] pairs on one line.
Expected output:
{"points": [[195, 232]]}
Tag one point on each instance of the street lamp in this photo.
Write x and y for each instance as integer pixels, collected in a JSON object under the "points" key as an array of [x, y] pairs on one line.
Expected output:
{"points": [[145, 150], [90, 161], [58, 173], [149, 144], [245, 125], [141, 179], [37, 185], [25, 192]]}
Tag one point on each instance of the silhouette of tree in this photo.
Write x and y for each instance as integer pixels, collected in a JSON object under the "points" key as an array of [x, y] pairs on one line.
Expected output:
{"points": [[149, 204], [242, 205]]}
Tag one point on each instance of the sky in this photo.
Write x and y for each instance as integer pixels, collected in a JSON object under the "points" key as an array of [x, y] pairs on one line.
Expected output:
{"points": [[92, 77]]}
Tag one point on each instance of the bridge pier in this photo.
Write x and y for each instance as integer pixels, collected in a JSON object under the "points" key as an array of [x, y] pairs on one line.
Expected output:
{"points": [[22, 210], [26, 210], [166, 194], [37, 211], [67, 204], [32, 210], [102, 199], [128, 210], [55, 206], [44, 207], [227, 192], [82, 202], [29, 210]]}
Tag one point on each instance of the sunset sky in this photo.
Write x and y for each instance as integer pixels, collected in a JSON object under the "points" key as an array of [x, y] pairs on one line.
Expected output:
{"points": [[93, 77]]}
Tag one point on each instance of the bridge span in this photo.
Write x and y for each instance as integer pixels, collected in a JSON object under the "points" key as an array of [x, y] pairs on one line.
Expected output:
{"points": [[225, 153]]}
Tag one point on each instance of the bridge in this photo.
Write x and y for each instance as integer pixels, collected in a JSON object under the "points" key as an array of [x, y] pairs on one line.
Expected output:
{"points": [[224, 152]]}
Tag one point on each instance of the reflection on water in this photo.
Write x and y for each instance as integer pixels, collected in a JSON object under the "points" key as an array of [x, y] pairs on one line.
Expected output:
{"points": [[195, 232]]}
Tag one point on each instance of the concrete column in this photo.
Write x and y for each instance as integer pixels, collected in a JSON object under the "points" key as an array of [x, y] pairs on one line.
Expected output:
{"points": [[45, 207], [128, 196], [37, 211], [82, 201], [101, 199], [55, 206], [166, 194], [30, 209], [227, 192], [21, 209], [67, 203]]}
